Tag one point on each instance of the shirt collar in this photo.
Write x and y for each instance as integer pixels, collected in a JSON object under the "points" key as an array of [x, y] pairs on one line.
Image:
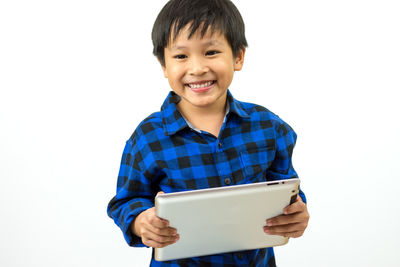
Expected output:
{"points": [[173, 121], [236, 107]]}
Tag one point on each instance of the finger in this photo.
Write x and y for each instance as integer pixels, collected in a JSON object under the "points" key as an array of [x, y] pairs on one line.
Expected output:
{"points": [[298, 206], [160, 193], [155, 244], [287, 219], [293, 227], [156, 221], [169, 231], [149, 234], [158, 225], [291, 234]]}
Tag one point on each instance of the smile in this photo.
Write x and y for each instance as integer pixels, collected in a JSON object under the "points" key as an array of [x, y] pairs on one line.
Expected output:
{"points": [[202, 84]]}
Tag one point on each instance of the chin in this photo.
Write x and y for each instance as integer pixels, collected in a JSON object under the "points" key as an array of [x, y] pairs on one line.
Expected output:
{"points": [[206, 101]]}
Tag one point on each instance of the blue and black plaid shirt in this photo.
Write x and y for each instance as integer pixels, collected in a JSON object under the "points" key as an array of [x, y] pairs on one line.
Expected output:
{"points": [[165, 153]]}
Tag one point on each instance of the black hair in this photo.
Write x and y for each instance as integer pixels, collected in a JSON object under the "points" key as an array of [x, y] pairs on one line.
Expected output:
{"points": [[220, 15]]}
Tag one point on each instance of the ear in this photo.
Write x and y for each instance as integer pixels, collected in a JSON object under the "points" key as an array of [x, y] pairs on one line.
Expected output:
{"points": [[239, 60], [164, 68]]}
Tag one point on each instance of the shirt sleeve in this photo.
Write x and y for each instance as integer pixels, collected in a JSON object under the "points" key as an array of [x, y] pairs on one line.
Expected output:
{"points": [[134, 194], [282, 167]]}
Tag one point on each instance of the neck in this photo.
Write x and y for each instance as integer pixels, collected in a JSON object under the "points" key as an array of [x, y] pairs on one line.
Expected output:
{"points": [[217, 108], [208, 118]]}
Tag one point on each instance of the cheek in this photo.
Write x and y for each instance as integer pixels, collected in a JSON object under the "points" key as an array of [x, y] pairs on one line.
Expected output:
{"points": [[226, 65], [225, 71], [174, 74]]}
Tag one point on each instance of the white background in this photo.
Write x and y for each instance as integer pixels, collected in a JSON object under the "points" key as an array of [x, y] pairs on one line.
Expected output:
{"points": [[76, 77]]}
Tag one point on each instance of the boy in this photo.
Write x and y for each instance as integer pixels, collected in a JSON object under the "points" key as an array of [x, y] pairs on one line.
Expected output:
{"points": [[202, 137]]}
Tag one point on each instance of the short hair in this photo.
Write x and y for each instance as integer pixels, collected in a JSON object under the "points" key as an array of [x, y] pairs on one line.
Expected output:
{"points": [[220, 15]]}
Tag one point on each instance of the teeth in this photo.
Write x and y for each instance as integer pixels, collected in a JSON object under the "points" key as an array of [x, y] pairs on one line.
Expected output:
{"points": [[200, 85]]}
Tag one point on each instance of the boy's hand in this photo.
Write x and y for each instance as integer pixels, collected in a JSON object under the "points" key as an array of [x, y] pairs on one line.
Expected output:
{"points": [[292, 223], [154, 231]]}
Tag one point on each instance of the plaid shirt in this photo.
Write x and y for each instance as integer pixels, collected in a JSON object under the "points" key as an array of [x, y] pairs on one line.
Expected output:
{"points": [[165, 153]]}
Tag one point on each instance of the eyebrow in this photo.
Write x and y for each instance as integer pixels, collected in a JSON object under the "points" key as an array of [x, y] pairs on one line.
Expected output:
{"points": [[209, 43]]}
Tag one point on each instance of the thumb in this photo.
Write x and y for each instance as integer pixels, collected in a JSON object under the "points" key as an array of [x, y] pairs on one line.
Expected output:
{"points": [[299, 199], [160, 193]]}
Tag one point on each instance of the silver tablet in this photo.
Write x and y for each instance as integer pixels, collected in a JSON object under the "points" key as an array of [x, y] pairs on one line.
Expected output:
{"points": [[224, 219]]}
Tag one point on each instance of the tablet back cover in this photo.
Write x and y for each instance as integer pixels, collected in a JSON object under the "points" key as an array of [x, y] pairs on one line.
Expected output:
{"points": [[223, 219]]}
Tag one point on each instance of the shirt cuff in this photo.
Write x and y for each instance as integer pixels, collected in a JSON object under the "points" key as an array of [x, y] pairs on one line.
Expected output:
{"points": [[136, 208], [303, 196]]}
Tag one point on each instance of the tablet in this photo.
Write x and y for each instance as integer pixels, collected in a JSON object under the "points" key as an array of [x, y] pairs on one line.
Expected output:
{"points": [[224, 219]]}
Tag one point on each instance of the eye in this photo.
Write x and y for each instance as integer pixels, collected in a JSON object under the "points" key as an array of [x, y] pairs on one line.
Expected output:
{"points": [[212, 52], [180, 56]]}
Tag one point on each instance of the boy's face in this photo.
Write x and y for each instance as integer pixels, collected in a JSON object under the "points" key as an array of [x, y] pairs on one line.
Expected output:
{"points": [[200, 70]]}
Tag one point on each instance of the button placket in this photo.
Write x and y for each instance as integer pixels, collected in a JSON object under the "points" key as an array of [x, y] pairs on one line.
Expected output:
{"points": [[224, 169]]}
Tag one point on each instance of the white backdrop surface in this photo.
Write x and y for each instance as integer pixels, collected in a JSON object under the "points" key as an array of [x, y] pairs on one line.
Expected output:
{"points": [[76, 77]]}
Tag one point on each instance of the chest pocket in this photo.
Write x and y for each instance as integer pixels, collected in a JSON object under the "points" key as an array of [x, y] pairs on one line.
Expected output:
{"points": [[256, 161]]}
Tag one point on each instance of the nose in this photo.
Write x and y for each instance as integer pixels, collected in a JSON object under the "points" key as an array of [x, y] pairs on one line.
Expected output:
{"points": [[197, 66]]}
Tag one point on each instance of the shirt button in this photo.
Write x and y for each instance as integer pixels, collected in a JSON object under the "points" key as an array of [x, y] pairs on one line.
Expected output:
{"points": [[240, 256], [227, 181], [220, 145]]}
